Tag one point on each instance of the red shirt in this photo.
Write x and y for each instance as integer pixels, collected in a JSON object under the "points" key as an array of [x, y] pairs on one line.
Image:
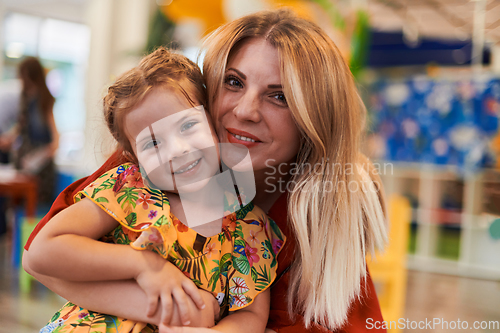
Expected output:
{"points": [[361, 309]]}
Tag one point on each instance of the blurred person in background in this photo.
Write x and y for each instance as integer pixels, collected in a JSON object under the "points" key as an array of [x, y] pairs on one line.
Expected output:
{"points": [[33, 141], [9, 108]]}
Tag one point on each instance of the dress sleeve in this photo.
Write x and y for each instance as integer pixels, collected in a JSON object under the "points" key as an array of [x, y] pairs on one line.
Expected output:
{"points": [[143, 213], [257, 243], [65, 198]]}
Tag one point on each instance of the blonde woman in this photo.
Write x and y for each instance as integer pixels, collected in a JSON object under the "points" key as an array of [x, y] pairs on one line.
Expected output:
{"points": [[278, 85]]}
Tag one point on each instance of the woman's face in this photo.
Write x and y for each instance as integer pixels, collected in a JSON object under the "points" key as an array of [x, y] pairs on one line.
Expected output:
{"points": [[252, 109]]}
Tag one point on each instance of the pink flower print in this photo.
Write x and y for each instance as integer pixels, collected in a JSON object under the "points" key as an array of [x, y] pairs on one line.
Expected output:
{"points": [[210, 249], [277, 244], [130, 171], [135, 180], [181, 227], [155, 236], [229, 222], [120, 182], [82, 315], [251, 254], [144, 200], [252, 239], [132, 235], [152, 214]]}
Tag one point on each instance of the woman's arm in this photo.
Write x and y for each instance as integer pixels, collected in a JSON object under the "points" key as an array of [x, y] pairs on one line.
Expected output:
{"points": [[251, 319]]}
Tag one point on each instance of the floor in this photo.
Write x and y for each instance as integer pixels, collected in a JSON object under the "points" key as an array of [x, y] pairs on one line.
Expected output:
{"points": [[428, 296]]}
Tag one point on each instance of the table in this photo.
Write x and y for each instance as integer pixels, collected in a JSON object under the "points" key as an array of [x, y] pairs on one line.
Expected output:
{"points": [[19, 186]]}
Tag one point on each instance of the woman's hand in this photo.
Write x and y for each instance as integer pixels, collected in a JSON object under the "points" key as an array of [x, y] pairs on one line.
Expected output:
{"points": [[165, 329], [165, 282], [253, 318]]}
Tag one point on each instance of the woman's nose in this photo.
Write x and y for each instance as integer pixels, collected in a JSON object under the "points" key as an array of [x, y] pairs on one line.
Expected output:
{"points": [[248, 107]]}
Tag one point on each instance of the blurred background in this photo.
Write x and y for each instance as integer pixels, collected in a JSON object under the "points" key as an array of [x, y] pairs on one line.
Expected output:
{"points": [[428, 71]]}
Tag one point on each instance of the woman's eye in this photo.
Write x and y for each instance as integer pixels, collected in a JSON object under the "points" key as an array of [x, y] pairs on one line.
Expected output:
{"points": [[233, 81], [280, 97], [188, 125], [150, 144]]}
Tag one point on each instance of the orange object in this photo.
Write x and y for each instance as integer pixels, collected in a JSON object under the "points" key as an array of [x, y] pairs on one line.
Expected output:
{"points": [[209, 12], [388, 270], [495, 145]]}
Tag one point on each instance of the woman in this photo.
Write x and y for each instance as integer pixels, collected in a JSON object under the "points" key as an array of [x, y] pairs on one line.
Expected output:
{"points": [[278, 85], [36, 128]]}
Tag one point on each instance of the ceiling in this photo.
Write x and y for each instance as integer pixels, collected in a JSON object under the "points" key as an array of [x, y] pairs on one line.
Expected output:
{"points": [[434, 18]]}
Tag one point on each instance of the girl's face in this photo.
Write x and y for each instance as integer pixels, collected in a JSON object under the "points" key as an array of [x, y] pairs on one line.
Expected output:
{"points": [[252, 109], [174, 143]]}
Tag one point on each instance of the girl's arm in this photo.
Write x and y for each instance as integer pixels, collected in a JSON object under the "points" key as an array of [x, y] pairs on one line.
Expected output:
{"points": [[67, 248], [122, 298]]}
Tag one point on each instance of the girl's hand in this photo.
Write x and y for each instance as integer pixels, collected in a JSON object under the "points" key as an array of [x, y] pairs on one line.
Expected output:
{"points": [[165, 281]]}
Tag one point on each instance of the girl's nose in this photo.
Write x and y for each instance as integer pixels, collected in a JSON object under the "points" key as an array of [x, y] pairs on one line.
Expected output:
{"points": [[175, 148], [248, 107]]}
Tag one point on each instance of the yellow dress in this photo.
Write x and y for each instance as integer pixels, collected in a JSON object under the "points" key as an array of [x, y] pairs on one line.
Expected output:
{"points": [[235, 265]]}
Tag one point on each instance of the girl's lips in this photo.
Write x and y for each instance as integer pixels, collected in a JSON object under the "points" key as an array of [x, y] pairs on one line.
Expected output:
{"points": [[179, 171], [232, 138]]}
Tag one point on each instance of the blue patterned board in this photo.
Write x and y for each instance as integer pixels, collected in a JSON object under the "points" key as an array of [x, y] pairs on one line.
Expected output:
{"points": [[435, 121]]}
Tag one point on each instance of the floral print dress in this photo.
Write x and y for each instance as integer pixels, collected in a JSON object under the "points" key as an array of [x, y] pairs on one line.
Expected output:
{"points": [[235, 265]]}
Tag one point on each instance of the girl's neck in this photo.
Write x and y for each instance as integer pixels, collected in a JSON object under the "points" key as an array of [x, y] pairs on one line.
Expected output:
{"points": [[192, 209]]}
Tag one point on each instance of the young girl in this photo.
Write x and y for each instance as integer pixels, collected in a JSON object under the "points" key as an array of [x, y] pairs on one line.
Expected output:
{"points": [[152, 111]]}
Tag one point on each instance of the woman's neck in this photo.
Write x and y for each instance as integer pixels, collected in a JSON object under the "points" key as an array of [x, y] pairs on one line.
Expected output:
{"points": [[269, 188]]}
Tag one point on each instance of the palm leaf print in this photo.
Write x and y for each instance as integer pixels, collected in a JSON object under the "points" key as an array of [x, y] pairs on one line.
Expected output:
{"points": [[263, 280], [129, 197], [158, 197], [240, 215]]}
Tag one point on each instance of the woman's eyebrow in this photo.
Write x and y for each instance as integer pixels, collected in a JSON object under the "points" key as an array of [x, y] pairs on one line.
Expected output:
{"points": [[275, 86], [238, 72]]}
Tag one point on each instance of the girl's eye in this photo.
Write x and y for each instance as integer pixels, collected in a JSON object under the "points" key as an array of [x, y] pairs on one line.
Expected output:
{"points": [[188, 125], [150, 144], [233, 81], [280, 98]]}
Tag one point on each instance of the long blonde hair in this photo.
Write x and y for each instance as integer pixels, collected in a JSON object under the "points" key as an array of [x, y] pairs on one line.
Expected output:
{"points": [[336, 227]]}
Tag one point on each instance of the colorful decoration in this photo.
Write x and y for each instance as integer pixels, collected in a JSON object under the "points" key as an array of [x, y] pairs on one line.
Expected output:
{"points": [[352, 39], [494, 229], [208, 12], [435, 121]]}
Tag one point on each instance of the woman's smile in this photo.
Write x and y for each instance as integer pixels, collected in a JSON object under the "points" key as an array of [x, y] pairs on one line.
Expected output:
{"points": [[242, 137]]}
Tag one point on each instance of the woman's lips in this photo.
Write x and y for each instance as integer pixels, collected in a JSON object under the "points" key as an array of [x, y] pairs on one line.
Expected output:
{"points": [[242, 137]]}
